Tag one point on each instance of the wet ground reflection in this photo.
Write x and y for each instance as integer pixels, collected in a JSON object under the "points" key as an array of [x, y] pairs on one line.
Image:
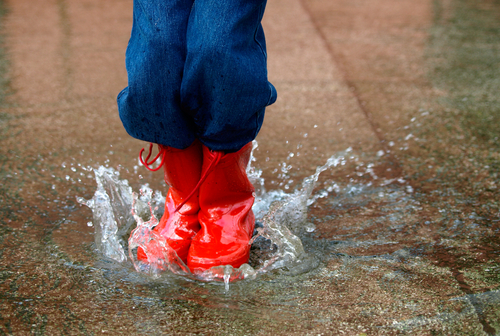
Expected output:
{"points": [[404, 237], [384, 254]]}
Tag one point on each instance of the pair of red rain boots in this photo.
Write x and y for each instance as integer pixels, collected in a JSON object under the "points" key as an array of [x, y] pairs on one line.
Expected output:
{"points": [[208, 217]]}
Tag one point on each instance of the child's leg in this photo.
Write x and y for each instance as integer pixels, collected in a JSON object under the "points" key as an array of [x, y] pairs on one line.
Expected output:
{"points": [[225, 87], [150, 106]]}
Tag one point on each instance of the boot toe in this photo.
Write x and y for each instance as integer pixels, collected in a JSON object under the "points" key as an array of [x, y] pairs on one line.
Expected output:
{"points": [[201, 259]]}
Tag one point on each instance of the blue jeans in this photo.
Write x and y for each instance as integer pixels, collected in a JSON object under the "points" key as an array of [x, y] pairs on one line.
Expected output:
{"points": [[196, 69]]}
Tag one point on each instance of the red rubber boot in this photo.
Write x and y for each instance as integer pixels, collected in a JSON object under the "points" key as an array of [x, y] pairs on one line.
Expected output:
{"points": [[226, 217], [179, 223]]}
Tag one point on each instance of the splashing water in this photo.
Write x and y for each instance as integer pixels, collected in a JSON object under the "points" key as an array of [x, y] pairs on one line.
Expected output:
{"points": [[280, 217]]}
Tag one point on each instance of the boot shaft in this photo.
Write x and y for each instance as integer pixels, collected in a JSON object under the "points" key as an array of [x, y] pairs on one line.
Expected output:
{"points": [[227, 184], [182, 168], [225, 216]]}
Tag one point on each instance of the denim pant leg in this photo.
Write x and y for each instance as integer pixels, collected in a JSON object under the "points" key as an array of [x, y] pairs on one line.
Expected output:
{"points": [[150, 106], [225, 87]]}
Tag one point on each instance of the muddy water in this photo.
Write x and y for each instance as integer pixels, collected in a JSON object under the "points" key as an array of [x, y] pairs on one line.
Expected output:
{"points": [[405, 239]]}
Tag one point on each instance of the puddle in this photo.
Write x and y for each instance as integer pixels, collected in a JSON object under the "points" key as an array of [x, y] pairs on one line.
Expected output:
{"points": [[280, 218]]}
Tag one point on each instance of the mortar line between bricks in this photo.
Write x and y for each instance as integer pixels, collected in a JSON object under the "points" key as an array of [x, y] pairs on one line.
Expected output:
{"points": [[337, 60], [466, 289]]}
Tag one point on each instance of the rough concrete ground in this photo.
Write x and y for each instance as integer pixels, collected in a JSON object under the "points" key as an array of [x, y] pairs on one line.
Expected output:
{"points": [[416, 256]]}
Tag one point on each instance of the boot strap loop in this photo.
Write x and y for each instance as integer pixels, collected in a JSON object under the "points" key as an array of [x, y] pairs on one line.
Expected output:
{"points": [[161, 150]]}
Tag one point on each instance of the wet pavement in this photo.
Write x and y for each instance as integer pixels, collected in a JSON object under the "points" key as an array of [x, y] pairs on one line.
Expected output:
{"points": [[407, 238]]}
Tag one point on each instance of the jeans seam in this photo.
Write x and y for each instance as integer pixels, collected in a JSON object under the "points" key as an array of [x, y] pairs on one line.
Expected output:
{"points": [[270, 95]]}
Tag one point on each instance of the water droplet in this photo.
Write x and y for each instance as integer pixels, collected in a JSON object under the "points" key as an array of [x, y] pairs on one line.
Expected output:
{"points": [[310, 227]]}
